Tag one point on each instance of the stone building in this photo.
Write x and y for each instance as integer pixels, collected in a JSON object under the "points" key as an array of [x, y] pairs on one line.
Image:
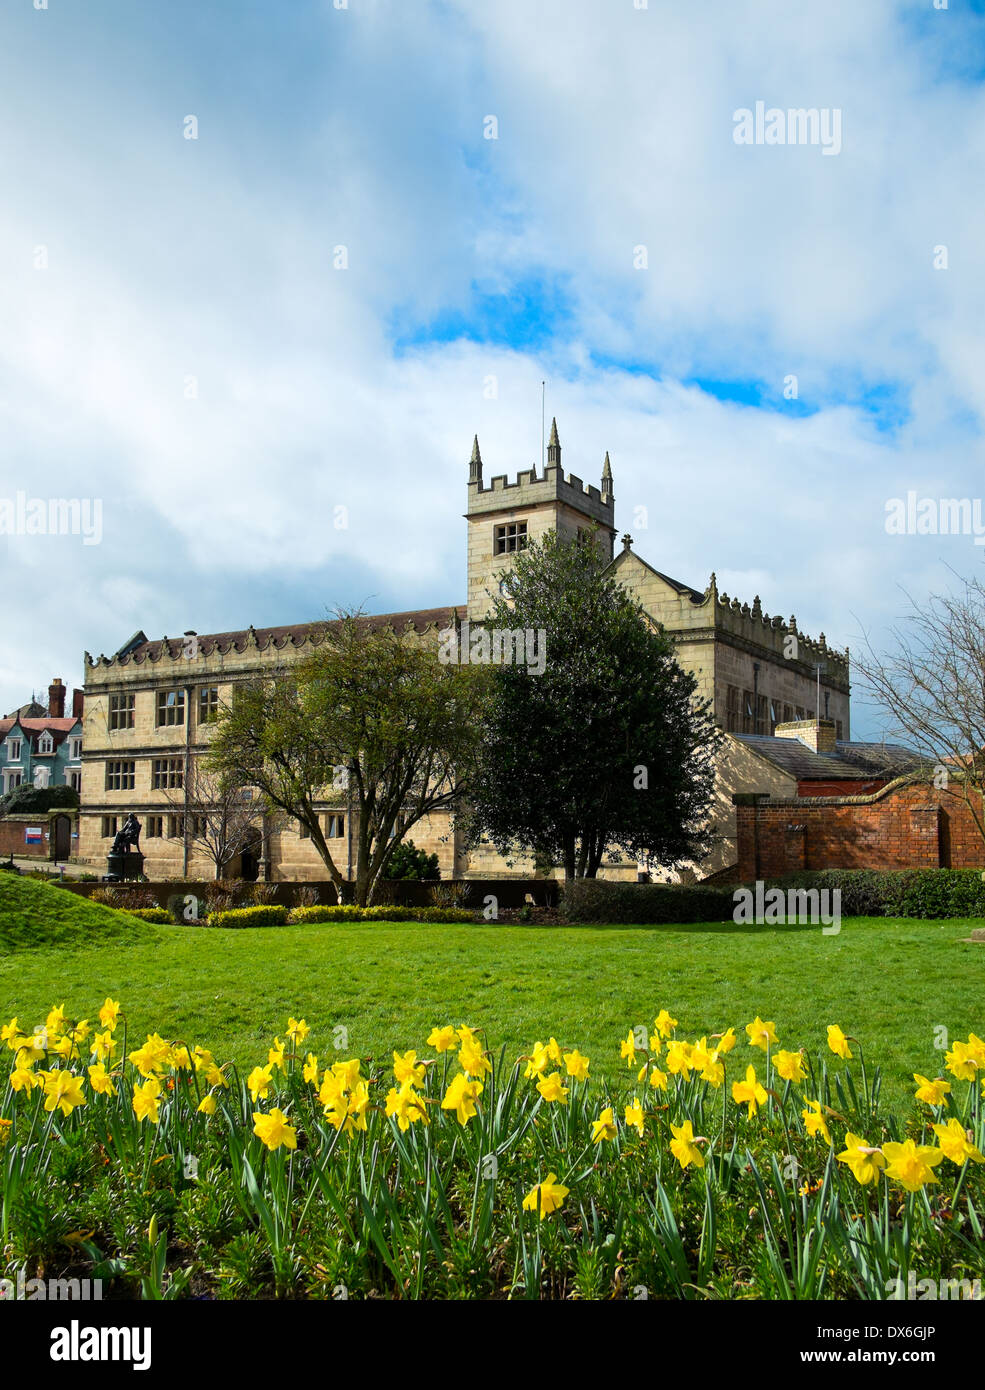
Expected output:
{"points": [[149, 705]]}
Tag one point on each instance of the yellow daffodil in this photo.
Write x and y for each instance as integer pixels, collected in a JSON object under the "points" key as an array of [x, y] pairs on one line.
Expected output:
{"points": [[554, 1051], [310, 1070], [576, 1065], [101, 1081], [10, 1033], [705, 1061], [443, 1039], [23, 1079], [931, 1092], [634, 1116], [103, 1046], [658, 1079], [604, 1127], [863, 1159], [406, 1105], [63, 1091], [627, 1048], [656, 1044], [962, 1062], [546, 1197], [678, 1060], [358, 1105], [473, 1060], [297, 1031], [332, 1090], [789, 1065], [407, 1068], [683, 1146], [147, 1100], [109, 1013], [467, 1037], [275, 1055], [838, 1043], [207, 1104], [726, 1041], [461, 1096], [762, 1035], [56, 1020], [912, 1165], [956, 1143], [347, 1072], [260, 1081], [814, 1121], [749, 1092], [274, 1130], [214, 1075], [152, 1057], [976, 1048], [551, 1089], [203, 1058], [537, 1062], [664, 1024]]}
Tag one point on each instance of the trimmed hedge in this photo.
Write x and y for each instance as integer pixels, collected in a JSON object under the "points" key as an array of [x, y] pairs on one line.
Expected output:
{"points": [[248, 917], [302, 916], [645, 904], [900, 893], [150, 914]]}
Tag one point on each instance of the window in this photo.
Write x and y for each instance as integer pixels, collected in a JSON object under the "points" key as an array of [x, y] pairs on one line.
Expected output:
{"points": [[120, 775], [334, 827], [511, 537], [839, 730], [303, 832], [109, 827], [12, 779], [170, 707], [74, 750], [788, 714], [121, 711], [800, 713], [762, 715], [155, 827], [748, 713], [733, 718], [75, 780], [46, 744], [176, 827], [775, 712], [168, 772], [14, 750], [208, 704], [199, 827]]}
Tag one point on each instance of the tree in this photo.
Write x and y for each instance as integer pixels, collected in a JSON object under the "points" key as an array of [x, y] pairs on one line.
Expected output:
{"points": [[372, 711], [220, 814], [609, 746], [931, 687], [409, 862]]}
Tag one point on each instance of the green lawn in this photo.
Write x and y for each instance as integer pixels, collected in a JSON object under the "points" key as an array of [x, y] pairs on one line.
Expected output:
{"points": [[889, 983]]}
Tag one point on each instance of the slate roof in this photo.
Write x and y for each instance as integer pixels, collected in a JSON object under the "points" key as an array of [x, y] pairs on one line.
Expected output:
{"points": [[34, 728], [850, 762], [419, 619]]}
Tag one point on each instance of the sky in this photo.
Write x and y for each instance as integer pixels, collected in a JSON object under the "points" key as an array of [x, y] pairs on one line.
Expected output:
{"points": [[266, 269]]}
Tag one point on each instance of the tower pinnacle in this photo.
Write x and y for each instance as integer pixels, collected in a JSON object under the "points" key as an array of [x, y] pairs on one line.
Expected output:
{"points": [[475, 463], [554, 447], [606, 476]]}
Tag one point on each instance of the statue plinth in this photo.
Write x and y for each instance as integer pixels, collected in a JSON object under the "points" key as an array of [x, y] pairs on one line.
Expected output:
{"points": [[125, 866]]}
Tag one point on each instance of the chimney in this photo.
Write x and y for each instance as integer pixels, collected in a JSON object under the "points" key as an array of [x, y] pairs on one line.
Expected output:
{"points": [[56, 699], [816, 734], [78, 696]]}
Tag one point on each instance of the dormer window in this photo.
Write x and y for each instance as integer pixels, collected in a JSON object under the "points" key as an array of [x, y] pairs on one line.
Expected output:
{"points": [[46, 744], [13, 750], [75, 750]]}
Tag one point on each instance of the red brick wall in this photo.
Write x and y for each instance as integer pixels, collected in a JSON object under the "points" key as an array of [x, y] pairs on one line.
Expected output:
{"points": [[906, 825], [12, 838]]}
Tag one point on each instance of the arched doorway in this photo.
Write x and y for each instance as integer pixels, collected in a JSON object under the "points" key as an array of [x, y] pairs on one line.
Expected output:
{"points": [[61, 837]]}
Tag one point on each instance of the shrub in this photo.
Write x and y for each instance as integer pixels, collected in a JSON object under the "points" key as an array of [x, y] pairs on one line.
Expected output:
{"points": [[899, 893], [178, 906], [151, 914], [124, 897], [262, 894], [450, 894], [249, 917], [302, 916], [645, 904], [407, 861], [306, 896], [88, 878], [31, 800]]}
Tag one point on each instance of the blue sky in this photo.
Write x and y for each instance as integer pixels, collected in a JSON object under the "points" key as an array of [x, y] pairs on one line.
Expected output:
{"points": [[191, 355]]}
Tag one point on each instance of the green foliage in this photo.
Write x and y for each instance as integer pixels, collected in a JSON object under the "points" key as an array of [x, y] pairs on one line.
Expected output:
{"points": [[608, 745], [904, 893], [152, 914], [303, 916], [407, 861], [30, 800], [598, 900], [34, 915], [269, 916]]}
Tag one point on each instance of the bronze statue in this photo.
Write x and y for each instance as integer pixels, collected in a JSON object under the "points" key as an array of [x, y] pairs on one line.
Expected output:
{"points": [[129, 835]]}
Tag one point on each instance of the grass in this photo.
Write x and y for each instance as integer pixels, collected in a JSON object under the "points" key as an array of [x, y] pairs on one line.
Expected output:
{"points": [[888, 983], [35, 915]]}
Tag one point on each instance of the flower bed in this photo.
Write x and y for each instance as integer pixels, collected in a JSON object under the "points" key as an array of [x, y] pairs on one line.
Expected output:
{"points": [[731, 1165]]}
